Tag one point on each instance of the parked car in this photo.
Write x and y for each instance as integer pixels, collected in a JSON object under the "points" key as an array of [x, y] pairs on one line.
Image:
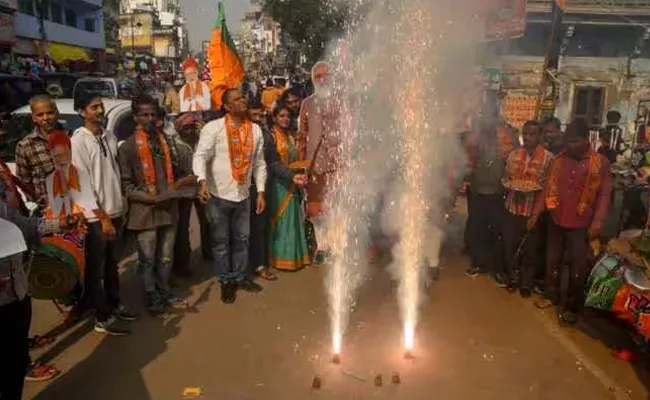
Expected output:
{"points": [[109, 88], [60, 84], [118, 119]]}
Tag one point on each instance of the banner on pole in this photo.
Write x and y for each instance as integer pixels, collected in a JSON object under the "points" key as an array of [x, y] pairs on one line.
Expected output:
{"points": [[506, 19]]}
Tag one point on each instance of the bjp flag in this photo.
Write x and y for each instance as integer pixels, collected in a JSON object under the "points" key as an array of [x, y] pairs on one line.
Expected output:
{"points": [[226, 69]]}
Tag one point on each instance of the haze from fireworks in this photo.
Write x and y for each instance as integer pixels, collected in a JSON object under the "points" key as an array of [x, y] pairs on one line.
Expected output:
{"points": [[401, 76]]}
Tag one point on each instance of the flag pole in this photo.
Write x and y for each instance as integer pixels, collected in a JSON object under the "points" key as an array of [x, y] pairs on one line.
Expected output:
{"points": [[547, 87]]}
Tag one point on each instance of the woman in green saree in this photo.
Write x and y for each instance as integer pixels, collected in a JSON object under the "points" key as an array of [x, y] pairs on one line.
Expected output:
{"points": [[288, 242]]}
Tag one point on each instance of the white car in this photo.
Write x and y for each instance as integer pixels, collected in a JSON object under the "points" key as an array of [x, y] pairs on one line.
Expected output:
{"points": [[118, 119]]}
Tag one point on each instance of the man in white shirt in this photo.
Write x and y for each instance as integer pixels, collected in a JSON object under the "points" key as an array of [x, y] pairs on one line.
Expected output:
{"points": [[94, 151], [230, 152]]}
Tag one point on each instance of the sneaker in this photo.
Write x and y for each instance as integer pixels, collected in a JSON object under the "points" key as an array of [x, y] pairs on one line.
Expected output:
{"points": [[250, 286], [110, 327], [472, 272], [123, 313]]}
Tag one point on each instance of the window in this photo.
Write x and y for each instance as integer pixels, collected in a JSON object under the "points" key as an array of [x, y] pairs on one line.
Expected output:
{"points": [[588, 104], [70, 18], [26, 7], [89, 24], [56, 12]]}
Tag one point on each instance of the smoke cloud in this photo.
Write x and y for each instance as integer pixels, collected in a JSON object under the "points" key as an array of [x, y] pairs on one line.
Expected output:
{"points": [[403, 76]]}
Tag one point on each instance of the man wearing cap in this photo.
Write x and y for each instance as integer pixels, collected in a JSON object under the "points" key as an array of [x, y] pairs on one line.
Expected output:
{"points": [[194, 95], [577, 194]]}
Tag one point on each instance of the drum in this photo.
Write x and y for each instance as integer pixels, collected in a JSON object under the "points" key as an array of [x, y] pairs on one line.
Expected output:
{"points": [[56, 268]]}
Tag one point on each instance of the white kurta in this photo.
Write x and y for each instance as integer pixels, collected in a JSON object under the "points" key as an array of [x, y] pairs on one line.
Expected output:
{"points": [[197, 101]]}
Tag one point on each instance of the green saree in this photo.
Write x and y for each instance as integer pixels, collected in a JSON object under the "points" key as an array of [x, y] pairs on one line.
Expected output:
{"points": [[288, 242]]}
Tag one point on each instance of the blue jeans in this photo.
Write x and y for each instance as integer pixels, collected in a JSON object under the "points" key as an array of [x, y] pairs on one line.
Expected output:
{"points": [[155, 256], [229, 233]]}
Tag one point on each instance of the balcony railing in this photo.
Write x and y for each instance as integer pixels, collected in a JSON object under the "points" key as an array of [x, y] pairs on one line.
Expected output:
{"points": [[615, 7]]}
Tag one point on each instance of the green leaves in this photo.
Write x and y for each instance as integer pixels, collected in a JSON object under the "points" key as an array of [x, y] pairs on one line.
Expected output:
{"points": [[311, 23]]}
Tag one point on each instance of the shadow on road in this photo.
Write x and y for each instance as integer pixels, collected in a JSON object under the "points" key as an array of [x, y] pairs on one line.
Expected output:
{"points": [[616, 335], [114, 369]]}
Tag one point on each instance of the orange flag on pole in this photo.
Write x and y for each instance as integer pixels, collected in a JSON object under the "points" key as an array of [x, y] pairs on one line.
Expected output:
{"points": [[226, 69]]}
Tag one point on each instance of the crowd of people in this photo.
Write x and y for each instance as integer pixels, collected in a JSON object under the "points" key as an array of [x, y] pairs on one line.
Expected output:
{"points": [[256, 174]]}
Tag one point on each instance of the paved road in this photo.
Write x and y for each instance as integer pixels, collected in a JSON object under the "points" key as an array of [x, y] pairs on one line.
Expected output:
{"points": [[474, 341]]}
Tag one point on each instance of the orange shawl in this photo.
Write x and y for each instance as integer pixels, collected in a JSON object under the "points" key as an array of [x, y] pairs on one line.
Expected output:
{"points": [[61, 187], [240, 148], [590, 191], [504, 142], [519, 170], [282, 145], [148, 166], [191, 91]]}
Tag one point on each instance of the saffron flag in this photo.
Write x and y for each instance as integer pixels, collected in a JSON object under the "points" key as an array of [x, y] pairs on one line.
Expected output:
{"points": [[226, 69]]}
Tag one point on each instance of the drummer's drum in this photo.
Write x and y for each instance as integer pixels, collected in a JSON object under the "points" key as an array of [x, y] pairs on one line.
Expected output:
{"points": [[56, 268]]}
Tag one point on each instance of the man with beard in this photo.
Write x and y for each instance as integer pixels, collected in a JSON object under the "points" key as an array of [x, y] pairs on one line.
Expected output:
{"points": [[33, 159], [318, 123]]}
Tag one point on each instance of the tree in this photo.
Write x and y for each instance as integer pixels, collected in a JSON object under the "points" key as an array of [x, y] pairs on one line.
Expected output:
{"points": [[311, 23]]}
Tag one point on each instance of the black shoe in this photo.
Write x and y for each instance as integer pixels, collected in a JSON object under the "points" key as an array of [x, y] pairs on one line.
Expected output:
{"points": [[525, 293], [123, 313], [501, 281], [250, 286], [568, 317], [228, 293], [472, 271]]}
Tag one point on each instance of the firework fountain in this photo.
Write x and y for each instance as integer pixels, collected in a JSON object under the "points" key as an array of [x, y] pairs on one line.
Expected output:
{"points": [[399, 85]]}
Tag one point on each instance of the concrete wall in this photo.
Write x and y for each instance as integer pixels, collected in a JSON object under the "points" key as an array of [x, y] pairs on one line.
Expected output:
{"points": [[623, 92], [27, 26]]}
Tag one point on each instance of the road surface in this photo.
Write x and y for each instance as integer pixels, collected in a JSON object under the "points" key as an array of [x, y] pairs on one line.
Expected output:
{"points": [[474, 341]]}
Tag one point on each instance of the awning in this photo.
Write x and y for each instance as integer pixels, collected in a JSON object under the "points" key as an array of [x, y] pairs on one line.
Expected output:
{"points": [[61, 53]]}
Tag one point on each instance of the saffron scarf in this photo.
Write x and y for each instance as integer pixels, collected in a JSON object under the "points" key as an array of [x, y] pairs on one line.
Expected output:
{"points": [[282, 142], [518, 169], [61, 185], [191, 91], [590, 191], [146, 159], [240, 148]]}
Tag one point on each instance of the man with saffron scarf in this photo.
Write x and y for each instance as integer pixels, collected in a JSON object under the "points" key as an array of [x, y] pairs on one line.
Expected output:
{"points": [[230, 152], [147, 161], [487, 150], [194, 95], [526, 170], [577, 195], [318, 121]]}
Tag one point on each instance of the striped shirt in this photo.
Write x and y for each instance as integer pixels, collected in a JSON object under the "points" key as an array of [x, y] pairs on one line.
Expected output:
{"points": [[520, 203]]}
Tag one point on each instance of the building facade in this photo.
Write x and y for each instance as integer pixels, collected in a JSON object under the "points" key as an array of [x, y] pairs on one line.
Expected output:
{"points": [[65, 30], [604, 62]]}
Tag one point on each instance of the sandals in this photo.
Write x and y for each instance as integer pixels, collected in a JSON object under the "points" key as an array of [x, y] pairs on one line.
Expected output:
{"points": [[267, 274], [543, 304], [38, 342], [38, 372]]}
